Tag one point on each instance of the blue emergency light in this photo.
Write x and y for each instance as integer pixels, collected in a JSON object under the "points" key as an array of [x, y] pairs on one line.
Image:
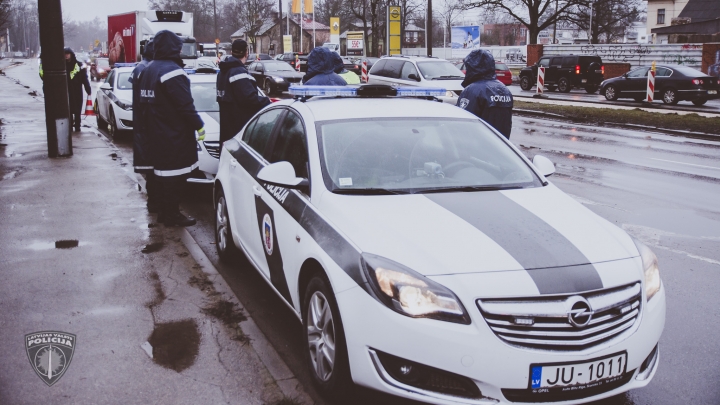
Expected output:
{"points": [[365, 91], [123, 64], [306, 91], [189, 71]]}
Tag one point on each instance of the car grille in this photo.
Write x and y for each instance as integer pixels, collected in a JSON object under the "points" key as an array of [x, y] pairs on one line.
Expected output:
{"points": [[543, 323], [213, 149]]}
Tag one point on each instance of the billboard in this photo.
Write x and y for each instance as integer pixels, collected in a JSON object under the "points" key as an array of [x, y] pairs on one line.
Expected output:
{"points": [[464, 39], [121, 38], [355, 43]]}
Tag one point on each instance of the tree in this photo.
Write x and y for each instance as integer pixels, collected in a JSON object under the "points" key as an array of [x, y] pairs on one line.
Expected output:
{"points": [[449, 11], [249, 16], [4, 13], [536, 15], [610, 18]]}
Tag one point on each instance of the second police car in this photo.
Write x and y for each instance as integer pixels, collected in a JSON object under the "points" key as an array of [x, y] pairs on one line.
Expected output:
{"points": [[429, 259]]}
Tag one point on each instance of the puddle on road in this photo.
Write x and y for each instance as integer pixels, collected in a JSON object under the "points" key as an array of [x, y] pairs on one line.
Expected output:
{"points": [[159, 292], [175, 345], [10, 175], [59, 244], [66, 244]]}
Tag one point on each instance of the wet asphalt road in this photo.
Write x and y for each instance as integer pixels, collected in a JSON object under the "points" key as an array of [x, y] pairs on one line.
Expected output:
{"points": [[663, 190]]}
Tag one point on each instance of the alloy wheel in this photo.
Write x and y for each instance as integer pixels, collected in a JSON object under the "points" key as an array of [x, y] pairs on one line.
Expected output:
{"points": [[268, 88], [321, 336], [669, 97], [221, 224], [610, 93]]}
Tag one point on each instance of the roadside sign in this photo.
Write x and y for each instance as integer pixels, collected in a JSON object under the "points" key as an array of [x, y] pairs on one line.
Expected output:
{"points": [[393, 33], [355, 43], [287, 43], [217, 40]]}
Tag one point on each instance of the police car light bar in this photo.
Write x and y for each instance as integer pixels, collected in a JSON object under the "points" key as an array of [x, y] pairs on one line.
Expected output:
{"points": [[306, 91], [420, 92], [366, 90], [117, 65], [190, 71]]}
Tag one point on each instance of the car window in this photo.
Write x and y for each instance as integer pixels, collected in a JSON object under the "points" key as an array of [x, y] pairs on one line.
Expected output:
{"points": [[688, 71], [252, 66], [585, 61], [556, 62], [204, 96], [291, 145], [545, 62], [110, 78], [568, 61], [640, 72], [123, 82], [407, 70], [663, 72], [440, 71], [501, 66], [416, 155], [393, 68], [278, 67], [378, 68], [258, 132]]}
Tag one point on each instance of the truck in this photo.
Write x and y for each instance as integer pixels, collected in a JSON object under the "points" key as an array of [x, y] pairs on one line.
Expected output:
{"points": [[128, 33]]}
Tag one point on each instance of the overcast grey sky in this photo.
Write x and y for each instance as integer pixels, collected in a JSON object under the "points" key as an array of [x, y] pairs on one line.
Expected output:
{"points": [[82, 10]]}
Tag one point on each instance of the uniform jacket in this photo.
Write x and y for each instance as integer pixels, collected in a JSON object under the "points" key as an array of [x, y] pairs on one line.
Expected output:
{"points": [[321, 69], [237, 94], [484, 95], [170, 116], [142, 159], [77, 79]]}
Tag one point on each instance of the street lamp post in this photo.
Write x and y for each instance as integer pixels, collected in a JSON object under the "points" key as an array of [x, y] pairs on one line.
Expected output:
{"points": [[590, 40], [428, 28]]}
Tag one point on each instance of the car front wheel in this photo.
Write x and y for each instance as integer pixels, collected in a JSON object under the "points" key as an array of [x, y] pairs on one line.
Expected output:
{"points": [[669, 96], [564, 85], [268, 87], [611, 93], [223, 232], [325, 349], [112, 125], [525, 83]]}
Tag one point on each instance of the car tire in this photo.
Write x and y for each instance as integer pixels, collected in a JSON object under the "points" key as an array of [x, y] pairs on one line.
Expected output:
{"points": [[525, 83], [564, 85], [591, 89], [112, 125], [670, 97], [610, 93], [323, 329], [101, 123], [551, 88], [699, 102], [226, 249], [268, 87]]}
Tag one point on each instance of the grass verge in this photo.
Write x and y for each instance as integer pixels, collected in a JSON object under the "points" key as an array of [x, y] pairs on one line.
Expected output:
{"points": [[688, 122]]}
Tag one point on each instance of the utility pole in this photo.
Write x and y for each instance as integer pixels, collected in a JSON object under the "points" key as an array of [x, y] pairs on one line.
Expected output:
{"points": [[217, 43], [57, 107], [592, 3], [428, 29], [280, 21]]}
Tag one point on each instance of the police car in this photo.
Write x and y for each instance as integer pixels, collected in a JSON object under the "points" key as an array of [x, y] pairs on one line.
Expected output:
{"points": [[429, 259], [113, 102]]}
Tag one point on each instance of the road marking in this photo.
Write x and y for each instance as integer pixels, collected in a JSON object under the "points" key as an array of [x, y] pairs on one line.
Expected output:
{"points": [[689, 164], [651, 236]]}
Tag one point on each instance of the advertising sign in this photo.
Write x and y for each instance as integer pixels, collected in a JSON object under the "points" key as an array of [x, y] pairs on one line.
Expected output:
{"points": [[335, 30], [121, 38], [355, 43], [463, 40], [394, 42], [287, 43]]}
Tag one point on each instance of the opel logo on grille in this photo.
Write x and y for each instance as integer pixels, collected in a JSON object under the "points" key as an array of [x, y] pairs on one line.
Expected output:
{"points": [[579, 311]]}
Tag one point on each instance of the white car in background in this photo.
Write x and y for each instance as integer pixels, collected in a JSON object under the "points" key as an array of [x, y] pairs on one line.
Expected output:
{"points": [[419, 71], [113, 102]]}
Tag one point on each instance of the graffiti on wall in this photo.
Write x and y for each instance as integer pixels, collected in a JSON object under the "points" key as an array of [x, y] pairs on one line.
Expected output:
{"points": [[616, 53]]}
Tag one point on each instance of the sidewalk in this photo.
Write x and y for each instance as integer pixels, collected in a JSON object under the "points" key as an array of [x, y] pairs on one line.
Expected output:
{"points": [[128, 281]]}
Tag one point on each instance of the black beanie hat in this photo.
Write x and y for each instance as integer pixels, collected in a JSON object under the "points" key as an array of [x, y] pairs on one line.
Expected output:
{"points": [[239, 46]]}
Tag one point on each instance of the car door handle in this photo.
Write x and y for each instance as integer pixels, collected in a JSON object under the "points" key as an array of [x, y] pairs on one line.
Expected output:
{"points": [[257, 191], [233, 162]]}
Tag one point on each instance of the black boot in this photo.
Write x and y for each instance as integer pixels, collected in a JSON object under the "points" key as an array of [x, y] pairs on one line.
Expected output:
{"points": [[177, 219]]}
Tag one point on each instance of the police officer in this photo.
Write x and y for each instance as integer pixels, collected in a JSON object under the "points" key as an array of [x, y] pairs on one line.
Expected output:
{"points": [[237, 92], [321, 69], [77, 79], [484, 95], [171, 122], [141, 143]]}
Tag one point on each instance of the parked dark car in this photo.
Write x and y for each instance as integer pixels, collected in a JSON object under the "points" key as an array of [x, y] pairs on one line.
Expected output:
{"points": [[355, 67], [673, 83], [258, 56], [289, 57], [274, 76], [565, 72], [502, 72], [99, 69], [370, 62]]}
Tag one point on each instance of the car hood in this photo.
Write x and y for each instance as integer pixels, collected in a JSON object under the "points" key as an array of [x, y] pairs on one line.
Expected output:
{"points": [[477, 232], [286, 75], [442, 84], [212, 125]]}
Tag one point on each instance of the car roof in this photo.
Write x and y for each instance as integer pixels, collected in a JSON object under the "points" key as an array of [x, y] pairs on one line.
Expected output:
{"points": [[203, 77], [124, 69], [340, 108]]}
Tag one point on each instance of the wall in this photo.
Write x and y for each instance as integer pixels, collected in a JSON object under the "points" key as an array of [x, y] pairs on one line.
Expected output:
{"points": [[615, 69], [709, 58], [634, 54]]}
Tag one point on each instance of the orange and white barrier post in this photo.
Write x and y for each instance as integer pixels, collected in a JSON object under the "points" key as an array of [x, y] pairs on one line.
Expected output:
{"points": [[297, 63], [540, 83], [89, 110], [364, 77], [651, 84]]}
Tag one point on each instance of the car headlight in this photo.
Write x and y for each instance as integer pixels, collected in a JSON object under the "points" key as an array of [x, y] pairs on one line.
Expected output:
{"points": [[278, 79], [411, 294], [650, 269], [449, 94], [125, 105]]}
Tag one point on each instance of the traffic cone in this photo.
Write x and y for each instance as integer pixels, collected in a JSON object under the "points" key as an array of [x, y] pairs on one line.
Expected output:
{"points": [[89, 110]]}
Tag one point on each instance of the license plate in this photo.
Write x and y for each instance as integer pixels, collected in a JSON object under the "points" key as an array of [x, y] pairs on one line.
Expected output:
{"points": [[544, 378], [584, 80], [712, 91], [499, 74], [598, 71]]}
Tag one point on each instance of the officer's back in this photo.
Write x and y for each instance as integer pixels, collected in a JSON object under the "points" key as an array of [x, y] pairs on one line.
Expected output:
{"points": [[484, 95], [321, 69]]}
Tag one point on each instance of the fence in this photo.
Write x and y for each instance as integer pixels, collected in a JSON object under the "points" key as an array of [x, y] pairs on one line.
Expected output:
{"points": [[634, 54], [508, 54]]}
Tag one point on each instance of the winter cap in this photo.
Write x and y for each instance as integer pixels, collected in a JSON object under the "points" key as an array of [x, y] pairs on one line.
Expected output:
{"points": [[239, 46]]}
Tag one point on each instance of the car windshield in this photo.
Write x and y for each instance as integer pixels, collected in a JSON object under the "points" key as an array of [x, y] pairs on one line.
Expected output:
{"points": [[440, 71], [189, 50], [204, 96], [501, 66], [102, 63], [403, 155], [278, 67], [123, 82]]}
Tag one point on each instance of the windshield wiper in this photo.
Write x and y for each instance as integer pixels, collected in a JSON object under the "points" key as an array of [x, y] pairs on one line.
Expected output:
{"points": [[465, 189], [367, 191]]}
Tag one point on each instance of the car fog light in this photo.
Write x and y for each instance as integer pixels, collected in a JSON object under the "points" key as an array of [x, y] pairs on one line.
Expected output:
{"points": [[449, 94], [648, 365], [524, 321], [405, 370]]}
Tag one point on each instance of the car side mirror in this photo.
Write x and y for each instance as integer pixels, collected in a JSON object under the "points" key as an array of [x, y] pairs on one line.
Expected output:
{"points": [[106, 86], [281, 174], [413, 76], [544, 165]]}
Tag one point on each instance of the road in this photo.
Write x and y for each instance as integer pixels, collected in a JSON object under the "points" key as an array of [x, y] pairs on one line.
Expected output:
{"points": [[663, 190]]}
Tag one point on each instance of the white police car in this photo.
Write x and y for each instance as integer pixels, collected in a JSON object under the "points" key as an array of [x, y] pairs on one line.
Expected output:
{"points": [[113, 102], [429, 259]]}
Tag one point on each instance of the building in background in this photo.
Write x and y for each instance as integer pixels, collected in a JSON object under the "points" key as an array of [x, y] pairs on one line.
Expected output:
{"points": [[414, 37], [698, 22], [504, 34], [661, 12], [269, 35]]}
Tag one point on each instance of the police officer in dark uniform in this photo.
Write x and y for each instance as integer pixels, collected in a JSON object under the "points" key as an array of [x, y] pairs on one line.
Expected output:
{"points": [[142, 160], [171, 122], [237, 92], [484, 95]]}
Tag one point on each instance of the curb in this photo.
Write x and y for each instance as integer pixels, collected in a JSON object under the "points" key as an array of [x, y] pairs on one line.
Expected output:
{"points": [[286, 380]]}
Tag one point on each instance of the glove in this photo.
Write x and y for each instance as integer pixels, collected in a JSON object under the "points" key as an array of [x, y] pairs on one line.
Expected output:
{"points": [[201, 134]]}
